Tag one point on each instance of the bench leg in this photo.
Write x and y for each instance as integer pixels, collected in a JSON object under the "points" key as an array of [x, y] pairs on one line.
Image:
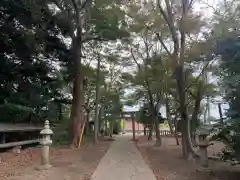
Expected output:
{"points": [[3, 140]]}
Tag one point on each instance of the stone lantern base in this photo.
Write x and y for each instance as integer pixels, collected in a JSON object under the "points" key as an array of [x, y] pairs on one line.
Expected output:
{"points": [[44, 167]]}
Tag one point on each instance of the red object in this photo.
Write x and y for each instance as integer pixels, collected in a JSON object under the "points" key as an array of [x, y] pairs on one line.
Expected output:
{"points": [[128, 125]]}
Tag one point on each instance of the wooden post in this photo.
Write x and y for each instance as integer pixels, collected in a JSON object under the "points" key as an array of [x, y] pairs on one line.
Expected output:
{"points": [[3, 140]]}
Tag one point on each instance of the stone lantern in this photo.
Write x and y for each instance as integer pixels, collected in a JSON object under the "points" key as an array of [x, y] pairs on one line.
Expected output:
{"points": [[203, 144], [45, 142]]}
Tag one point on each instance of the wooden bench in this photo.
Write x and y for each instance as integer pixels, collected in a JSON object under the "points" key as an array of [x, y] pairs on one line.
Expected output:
{"points": [[19, 143], [18, 128]]}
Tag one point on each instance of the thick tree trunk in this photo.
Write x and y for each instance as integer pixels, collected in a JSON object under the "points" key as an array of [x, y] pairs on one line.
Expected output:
{"points": [[60, 111], [194, 119], [87, 123], [154, 115], [150, 133], [176, 131], [158, 137], [185, 129], [187, 147], [77, 116], [96, 123], [133, 128], [100, 119]]}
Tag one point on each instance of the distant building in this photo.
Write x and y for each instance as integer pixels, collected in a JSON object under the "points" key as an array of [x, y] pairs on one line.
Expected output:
{"points": [[127, 123]]}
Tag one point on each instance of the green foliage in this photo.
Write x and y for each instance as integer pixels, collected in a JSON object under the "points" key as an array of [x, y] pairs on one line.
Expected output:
{"points": [[229, 135], [30, 45], [230, 56], [116, 127], [107, 20], [145, 116], [36, 65]]}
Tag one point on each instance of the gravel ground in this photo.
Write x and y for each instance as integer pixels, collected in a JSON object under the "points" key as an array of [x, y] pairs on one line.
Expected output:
{"points": [[123, 161], [68, 164], [167, 164]]}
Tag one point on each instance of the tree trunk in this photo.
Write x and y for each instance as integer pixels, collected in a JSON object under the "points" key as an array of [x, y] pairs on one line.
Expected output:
{"points": [[87, 123], [158, 137], [187, 147], [100, 118], [154, 115], [77, 116], [220, 113], [176, 130], [96, 123], [184, 132], [168, 115], [133, 128], [144, 131], [150, 133], [105, 127], [194, 120], [60, 111], [180, 79], [110, 128]]}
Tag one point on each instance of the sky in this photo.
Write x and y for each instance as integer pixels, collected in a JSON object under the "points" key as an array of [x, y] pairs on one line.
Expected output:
{"points": [[208, 12]]}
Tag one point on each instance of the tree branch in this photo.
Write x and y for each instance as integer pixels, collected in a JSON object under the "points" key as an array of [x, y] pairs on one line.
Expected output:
{"points": [[135, 60], [83, 5], [169, 20], [74, 3], [200, 74], [190, 4], [163, 44]]}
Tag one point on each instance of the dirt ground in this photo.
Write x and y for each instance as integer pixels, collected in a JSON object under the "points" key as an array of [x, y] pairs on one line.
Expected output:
{"points": [[167, 163], [67, 164]]}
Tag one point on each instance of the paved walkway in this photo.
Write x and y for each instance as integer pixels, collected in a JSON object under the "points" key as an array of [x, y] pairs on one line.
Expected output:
{"points": [[123, 161]]}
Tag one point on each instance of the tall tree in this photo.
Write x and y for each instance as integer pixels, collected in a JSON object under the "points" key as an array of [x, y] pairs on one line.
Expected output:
{"points": [[82, 24], [30, 46]]}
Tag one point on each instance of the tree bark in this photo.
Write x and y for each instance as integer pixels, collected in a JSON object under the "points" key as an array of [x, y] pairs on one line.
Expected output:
{"points": [[110, 128], [150, 133], [100, 118], [77, 116], [180, 79], [194, 118], [220, 113], [96, 123], [158, 137], [178, 58], [60, 111], [87, 123], [176, 131], [133, 128], [168, 115], [105, 127]]}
